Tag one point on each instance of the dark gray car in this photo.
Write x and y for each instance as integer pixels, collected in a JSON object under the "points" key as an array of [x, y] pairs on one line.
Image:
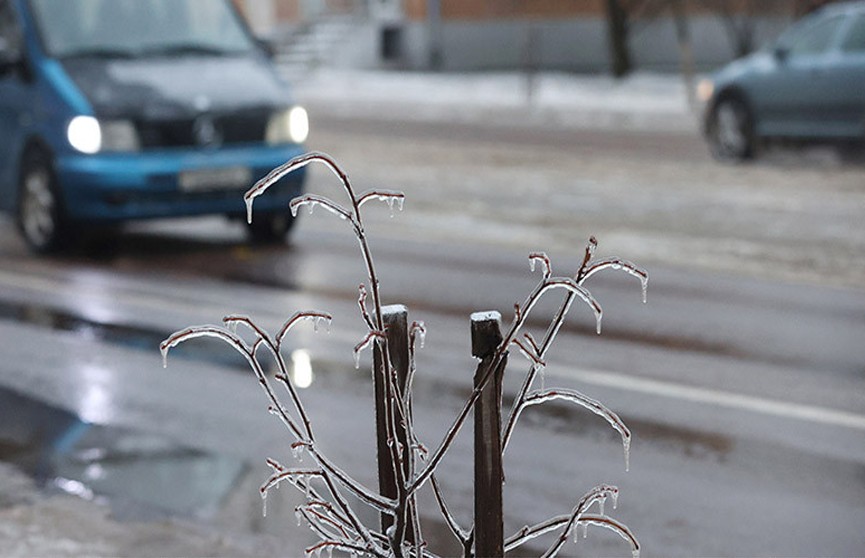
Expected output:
{"points": [[808, 85]]}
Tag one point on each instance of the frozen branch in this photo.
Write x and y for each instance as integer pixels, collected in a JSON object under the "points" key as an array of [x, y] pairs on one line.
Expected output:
{"points": [[313, 200], [535, 257], [598, 494], [461, 534], [361, 302], [390, 197], [530, 353], [366, 342], [314, 316], [618, 264], [297, 163], [577, 398], [526, 534]]}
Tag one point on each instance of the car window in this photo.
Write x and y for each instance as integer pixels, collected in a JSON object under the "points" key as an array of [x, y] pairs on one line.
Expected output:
{"points": [[854, 42], [816, 38]]}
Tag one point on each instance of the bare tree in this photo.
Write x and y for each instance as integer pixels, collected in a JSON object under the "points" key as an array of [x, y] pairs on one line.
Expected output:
{"points": [[622, 19], [617, 34], [741, 19]]}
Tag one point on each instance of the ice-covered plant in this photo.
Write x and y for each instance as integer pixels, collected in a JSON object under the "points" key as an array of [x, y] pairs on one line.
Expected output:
{"points": [[326, 509]]}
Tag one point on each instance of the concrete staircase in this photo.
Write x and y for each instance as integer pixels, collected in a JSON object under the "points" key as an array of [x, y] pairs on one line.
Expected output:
{"points": [[312, 44]]}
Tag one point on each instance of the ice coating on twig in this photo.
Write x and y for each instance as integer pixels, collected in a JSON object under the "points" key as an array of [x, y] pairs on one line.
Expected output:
{"points": [[619, 264], [418, 333], [312, 201], [276, 174], [390, 197], [312, 315], [573, 396], [529, 352], [367, 341], [535, 257]]}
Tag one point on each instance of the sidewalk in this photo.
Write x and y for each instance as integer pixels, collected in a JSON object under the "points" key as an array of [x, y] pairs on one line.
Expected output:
{"points": [[642, 101]]}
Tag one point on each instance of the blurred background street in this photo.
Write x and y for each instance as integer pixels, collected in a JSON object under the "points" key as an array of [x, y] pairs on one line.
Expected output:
{"points": [[742, 378]]}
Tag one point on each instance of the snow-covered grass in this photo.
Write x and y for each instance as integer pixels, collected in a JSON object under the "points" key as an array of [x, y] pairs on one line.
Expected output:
{"points": [[641, 100]]}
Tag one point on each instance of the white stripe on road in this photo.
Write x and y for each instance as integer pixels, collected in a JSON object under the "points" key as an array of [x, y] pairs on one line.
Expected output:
{"points": [[616, 380], [718, 398]]}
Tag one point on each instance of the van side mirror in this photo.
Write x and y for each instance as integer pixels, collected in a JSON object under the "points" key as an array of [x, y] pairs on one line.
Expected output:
{"points": [[10, 57]]}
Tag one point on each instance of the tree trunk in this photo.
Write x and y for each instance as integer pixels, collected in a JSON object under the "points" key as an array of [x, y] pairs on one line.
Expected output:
{"points": [[617, 30]]}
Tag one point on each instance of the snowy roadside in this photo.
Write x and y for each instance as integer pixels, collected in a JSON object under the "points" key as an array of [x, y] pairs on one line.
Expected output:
{"points": [[36, 523], [642, 101]]}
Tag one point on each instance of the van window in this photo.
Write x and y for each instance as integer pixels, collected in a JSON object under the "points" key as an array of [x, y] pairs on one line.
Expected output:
{"points": [[10, 35], [139, 27]]}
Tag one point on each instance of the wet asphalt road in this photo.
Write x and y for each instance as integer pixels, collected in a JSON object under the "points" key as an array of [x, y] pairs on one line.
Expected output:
{"points": [[745, 393]]}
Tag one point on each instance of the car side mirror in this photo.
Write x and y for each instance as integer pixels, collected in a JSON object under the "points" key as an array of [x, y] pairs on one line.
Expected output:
{"points": [[267, 46], [781, 53]]}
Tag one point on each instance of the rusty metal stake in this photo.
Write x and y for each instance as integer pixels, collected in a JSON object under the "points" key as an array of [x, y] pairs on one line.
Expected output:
{"points": [[489, 475], [395, 319]]}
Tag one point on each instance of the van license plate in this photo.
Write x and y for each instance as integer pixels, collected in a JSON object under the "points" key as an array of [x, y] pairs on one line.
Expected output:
{"points": [[206, 180]]}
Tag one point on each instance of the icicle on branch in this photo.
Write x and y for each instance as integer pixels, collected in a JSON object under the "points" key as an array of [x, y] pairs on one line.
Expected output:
{"points": [[527, 534], [545, 285], [617, 264], [535, 257], [587, 268], [311, 315], [313, 200], [598, 494], [390, 197], [367, 341], [276, 174]]}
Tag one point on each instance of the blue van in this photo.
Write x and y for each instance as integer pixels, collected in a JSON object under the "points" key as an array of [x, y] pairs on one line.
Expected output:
{"points": [[114, 110]]}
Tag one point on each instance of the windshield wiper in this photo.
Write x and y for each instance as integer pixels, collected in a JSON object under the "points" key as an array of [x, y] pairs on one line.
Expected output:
{"points": [[187, 48], [99, 52]]}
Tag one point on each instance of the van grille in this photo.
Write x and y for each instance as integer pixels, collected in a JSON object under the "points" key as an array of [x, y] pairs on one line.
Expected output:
{"points": [[246, 127]]}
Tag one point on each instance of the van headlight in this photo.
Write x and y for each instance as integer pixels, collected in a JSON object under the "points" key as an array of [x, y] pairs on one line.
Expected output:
{"points": [[288, 126], [88, 135], [84, 134]]}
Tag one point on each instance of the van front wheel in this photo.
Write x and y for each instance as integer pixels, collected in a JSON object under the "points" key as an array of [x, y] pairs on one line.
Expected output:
{"points": [[270, 228], [40, 215]]}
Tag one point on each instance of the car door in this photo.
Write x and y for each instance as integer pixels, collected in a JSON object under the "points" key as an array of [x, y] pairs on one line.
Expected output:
{"points": [[14, 103], [791, 96], [845, 73]]}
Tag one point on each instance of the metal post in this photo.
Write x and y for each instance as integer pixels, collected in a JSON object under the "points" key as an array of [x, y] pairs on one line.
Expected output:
{"points": [[489, 475], [395, 319]]}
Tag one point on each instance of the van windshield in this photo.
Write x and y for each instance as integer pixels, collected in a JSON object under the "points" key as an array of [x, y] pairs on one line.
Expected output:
{"points": [[136, 28]]}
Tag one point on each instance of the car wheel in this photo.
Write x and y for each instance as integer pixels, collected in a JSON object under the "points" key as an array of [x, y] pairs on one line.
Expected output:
{"points": [[270, 228], [40, 215], [731, 130]]}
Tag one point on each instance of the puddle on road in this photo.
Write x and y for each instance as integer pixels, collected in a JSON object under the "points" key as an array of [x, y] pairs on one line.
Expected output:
{"points": [[132, 337], [141, 475]]}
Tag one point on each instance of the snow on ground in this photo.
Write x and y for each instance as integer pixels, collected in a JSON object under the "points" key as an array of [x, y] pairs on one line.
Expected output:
{"points": [[33, 523], [640, 101]]}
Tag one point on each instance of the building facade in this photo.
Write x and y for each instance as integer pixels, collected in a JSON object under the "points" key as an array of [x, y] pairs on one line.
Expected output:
{"points": [[477, 35]]}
